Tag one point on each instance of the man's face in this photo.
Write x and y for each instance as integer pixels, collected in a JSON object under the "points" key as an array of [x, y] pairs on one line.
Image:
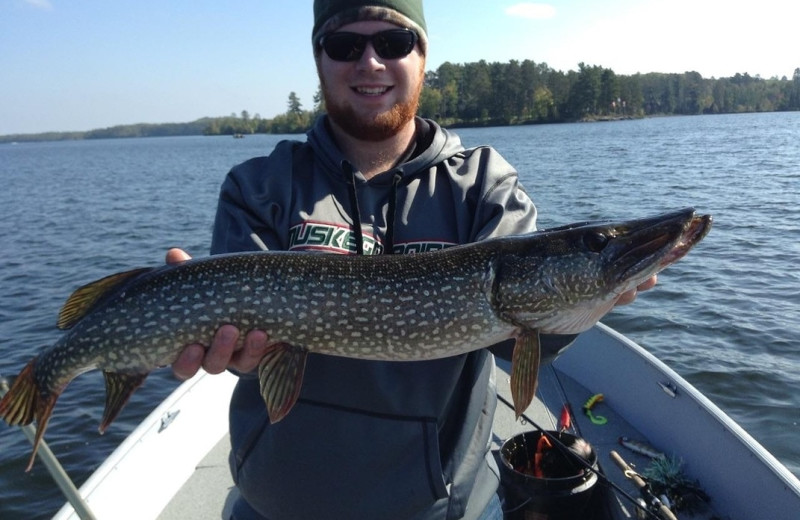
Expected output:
{"points": [[371, 98]]}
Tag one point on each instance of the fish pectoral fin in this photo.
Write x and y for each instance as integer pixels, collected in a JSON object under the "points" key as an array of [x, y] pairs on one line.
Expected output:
{"points": [[280, 373], [80, 301], [119, 388], [525, 369], [24, 402]]}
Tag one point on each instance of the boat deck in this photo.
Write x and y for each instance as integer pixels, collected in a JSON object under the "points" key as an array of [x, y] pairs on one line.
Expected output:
{"points": [[184, 444], [209, 493]]}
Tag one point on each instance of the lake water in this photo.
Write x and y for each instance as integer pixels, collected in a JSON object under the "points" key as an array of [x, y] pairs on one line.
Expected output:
{"points": [[727, 317]]}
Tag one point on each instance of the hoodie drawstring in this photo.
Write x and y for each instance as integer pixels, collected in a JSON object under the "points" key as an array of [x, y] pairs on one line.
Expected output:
{"points": [[357, 232], [356, 210], [389, 246]]}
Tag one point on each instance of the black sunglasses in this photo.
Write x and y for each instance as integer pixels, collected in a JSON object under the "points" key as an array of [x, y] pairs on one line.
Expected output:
{"points": [[389, 45]]}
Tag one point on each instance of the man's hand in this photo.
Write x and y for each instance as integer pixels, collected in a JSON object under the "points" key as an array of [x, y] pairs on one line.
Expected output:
{"points": [[629, 296], [224, 352]]}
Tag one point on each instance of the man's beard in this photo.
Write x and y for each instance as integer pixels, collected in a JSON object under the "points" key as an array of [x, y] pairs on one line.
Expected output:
{"points": [[383, 126]]}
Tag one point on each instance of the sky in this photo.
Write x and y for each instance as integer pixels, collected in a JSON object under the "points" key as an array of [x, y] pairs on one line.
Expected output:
{"points": [[73, 65]]}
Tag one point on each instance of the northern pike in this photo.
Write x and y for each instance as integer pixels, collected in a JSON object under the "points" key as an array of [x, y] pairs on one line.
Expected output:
{"points": [[384, 307]]}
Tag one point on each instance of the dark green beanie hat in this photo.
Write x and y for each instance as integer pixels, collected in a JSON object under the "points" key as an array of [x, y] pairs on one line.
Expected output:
{"points": [[330, 15]]}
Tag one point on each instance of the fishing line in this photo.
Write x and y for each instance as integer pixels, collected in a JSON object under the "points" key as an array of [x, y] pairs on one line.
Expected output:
{"points": [[574, 456]]}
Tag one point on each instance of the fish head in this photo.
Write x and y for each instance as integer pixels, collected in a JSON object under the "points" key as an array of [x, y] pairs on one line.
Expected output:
{"points": [[563, 280]]}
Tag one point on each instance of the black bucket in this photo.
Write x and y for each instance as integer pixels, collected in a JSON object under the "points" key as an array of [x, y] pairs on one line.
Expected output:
{"points": [[563, 496]]}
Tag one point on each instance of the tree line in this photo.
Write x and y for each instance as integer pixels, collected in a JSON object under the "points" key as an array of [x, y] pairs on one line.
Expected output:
{"points": [[294, 120], [484, 94], [481, 93], [527, 92]]}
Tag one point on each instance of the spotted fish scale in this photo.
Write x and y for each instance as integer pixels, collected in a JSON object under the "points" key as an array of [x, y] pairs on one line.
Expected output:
{"points": [[386, 307]]}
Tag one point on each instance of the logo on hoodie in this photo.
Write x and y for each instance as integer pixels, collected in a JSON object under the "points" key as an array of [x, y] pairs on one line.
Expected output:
{"points": [[331, 238], [335, 238], [411, 248]]}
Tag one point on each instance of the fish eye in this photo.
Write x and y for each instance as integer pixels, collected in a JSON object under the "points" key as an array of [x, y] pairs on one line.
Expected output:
{"points": [[595, 241]]}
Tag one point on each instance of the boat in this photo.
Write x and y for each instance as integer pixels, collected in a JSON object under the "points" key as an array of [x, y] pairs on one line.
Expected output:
{"points": [[622, 400]]}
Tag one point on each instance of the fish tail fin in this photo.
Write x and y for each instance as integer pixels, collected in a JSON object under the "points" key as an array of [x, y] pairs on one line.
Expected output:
{"points": [[25, 402], [18, 406], [44, 409]]}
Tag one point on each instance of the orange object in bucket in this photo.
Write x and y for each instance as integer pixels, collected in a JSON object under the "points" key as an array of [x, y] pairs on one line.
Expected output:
{"points": [[543, 483]]}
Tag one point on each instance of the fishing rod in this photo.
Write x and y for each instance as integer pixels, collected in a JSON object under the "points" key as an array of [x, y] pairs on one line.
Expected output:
{"points": [[644, 488], [54, 467], [585, 464]]}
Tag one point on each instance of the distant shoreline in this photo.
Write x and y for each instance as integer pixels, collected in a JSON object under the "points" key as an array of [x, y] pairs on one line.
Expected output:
{"points": [[169, 129], [108, 133], [485, 94]]}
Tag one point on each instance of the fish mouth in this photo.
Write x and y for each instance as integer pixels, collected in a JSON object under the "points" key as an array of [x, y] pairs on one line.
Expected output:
{"points": [[649, 246], [696, 229]]}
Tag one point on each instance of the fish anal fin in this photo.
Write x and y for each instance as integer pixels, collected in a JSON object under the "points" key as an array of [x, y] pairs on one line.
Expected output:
{"points": [[81, 301], [525, 369], [119, 388], [280, 374]]}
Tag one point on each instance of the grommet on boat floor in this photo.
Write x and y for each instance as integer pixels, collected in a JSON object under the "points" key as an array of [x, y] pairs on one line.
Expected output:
{"points": [[542, 482]]}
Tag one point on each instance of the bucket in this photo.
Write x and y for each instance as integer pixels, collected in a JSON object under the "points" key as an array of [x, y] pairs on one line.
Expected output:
{"points": [[561, 493]]}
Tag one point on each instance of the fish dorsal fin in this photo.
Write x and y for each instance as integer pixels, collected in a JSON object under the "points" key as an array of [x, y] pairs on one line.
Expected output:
{"points": [[280, 373], [525, 369], [119, 388], [80, 301]]}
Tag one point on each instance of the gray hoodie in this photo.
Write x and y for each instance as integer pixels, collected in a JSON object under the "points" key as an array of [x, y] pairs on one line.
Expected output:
{"points": [[370, 439]]}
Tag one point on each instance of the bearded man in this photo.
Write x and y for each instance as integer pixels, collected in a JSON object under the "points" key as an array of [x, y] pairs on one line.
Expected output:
{"points": [[366, 439]]}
